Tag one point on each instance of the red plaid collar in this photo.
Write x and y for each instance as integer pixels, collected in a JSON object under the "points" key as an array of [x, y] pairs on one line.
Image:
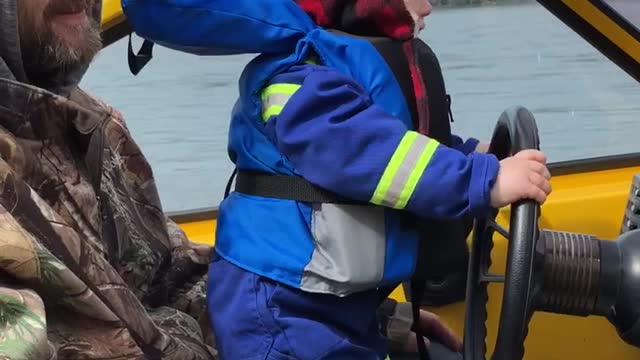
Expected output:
{"points": [[388, 18]]}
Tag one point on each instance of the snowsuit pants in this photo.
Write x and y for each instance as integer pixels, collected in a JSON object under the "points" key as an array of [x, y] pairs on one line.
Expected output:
{"points": [[256, 318]]}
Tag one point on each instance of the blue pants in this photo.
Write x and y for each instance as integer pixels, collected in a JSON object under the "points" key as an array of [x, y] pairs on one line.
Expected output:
{"points": [[256, 318]]}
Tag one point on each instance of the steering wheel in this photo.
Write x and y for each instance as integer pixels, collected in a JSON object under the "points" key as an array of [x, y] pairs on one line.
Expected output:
{"points": [[515, 130]]}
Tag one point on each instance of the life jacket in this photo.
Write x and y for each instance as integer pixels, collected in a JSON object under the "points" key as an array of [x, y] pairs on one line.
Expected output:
{"points": [[442, 256], [263, 211], [442, 260]]}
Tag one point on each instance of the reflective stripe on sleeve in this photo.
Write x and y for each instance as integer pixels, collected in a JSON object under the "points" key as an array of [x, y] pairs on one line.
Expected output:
{"points": [[274, 97], [401, 176]]}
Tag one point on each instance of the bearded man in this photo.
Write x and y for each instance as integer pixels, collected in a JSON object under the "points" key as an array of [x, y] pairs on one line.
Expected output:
{"points": [[90, 266]]}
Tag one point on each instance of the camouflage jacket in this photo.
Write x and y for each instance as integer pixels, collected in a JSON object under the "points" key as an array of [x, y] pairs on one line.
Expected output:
{"points": [[90, 267]]}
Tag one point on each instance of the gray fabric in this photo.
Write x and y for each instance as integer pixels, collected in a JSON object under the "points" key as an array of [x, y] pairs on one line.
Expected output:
{"points": [[349, 249], [275, 99], [11, 64], [404, 171], [400, 322]]}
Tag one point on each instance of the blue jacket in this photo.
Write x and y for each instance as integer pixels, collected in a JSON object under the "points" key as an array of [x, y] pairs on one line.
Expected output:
{"points": [[325, 107]]}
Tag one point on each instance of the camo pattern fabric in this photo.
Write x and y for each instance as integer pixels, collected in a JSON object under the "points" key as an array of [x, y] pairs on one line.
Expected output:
{"points": [[90, 267]]}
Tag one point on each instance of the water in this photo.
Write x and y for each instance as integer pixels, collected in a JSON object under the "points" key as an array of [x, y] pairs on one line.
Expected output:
{"points": [[493, 57]]}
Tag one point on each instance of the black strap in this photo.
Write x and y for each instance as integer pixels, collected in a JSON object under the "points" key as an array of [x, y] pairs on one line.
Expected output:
{"points": [[449, 107], [227, 189], [286, 187], [140, 60], [417, 290]]}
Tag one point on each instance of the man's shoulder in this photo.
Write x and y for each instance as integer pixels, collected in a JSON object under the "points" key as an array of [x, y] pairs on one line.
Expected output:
{"points": [[96, 104]]}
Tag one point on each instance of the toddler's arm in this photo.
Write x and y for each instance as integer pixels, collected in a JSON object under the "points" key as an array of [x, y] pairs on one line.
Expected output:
{"points": [[339, 140]]}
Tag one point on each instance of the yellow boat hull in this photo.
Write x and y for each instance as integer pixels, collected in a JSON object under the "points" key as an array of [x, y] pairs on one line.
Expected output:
{"points": [[587, 202], [111, 14]]}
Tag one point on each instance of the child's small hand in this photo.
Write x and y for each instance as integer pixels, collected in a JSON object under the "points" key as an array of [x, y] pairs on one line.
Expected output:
{"points": [[522, 176]]}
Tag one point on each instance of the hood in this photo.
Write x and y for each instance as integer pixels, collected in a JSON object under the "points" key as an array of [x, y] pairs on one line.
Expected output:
{"points": [[222, 27], [11, 65], [386, 18]]}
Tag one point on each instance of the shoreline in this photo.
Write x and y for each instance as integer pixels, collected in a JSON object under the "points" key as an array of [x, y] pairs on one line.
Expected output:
{"points": [[473, 3]]}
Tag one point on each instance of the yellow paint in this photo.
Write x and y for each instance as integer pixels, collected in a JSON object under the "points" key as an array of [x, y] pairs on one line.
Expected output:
{"points": [[606, 26], [200, 231], [588, 203], [111, 13]]}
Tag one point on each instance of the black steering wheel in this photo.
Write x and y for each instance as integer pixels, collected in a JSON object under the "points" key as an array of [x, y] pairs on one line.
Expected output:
{"points": [[516, 130]]}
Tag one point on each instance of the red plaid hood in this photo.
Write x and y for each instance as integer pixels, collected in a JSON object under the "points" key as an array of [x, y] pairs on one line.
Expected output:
{"points": [[388, 18]]}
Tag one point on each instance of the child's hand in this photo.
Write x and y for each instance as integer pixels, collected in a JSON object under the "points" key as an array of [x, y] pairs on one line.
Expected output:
{"points": [[522, 176]]}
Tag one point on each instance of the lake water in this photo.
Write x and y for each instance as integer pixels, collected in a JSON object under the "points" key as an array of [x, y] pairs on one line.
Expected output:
{"points": [[492, 57]]}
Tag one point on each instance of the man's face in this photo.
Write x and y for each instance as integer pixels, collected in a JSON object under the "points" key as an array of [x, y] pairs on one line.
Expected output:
{"points": [[57, 33]]}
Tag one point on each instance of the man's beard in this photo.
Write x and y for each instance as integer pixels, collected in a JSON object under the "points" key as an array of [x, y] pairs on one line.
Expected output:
{"points": [[45, 52], [54, 52]]}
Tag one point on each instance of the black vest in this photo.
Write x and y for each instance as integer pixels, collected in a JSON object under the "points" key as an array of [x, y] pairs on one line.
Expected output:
{"points": [[442, 250]]}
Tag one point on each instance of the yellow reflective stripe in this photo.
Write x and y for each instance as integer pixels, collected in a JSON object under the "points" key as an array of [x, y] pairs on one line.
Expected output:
{"points": [[274, 97], [392, 167], [400, 178], [416, 174], [271, 111], [282, 88]]}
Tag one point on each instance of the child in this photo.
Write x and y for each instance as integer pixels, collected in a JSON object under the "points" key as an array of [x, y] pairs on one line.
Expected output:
{"points": [[332, 159]]}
